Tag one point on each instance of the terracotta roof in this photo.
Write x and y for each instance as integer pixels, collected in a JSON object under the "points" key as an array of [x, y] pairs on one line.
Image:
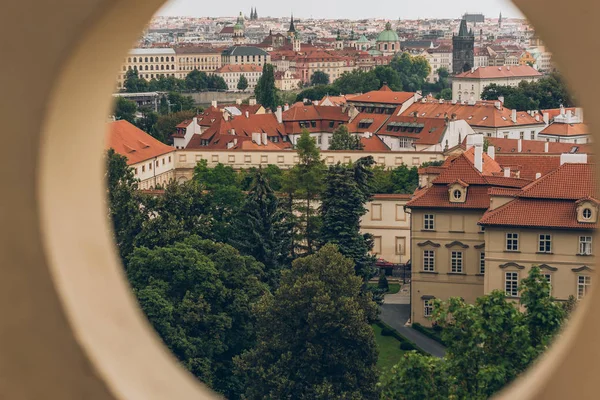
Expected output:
{"points": [[239, 68], [559, 129], [374, 122], [483, 113], [536, 213], [325, 118], [461, 167], [437, 197], [529, 165], [432, 129], [535, 146], [555, 112], [515, 71], [197, 50], [374, 143], [498, 191], [226, 30], [383, 96], [128, 140], [569, 181]]}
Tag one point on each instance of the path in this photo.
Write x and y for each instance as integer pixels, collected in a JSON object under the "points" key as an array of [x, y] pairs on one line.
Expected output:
{"points": [[395, 312]]}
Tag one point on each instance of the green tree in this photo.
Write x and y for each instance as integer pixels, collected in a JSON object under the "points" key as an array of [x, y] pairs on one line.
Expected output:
{"points": [[198, 295], [343, 140], [327, 349], [304, 183], [196, 80], [242, 83], [319, 78], [123, 202], [265, 91], [383, 282], [388, 76], [445, 94], [133, 83], [317, 92], [125, 109], [179, 102], [148, 120], [342, 207], [262, 229], [165, 124]]}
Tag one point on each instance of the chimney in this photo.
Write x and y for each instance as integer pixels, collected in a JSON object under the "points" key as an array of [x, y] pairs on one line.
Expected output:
{"points": [[562, 110], [497, 104], [477, 142], [316, 102], [579, 114], [278, 115], [264, 138], [238, 101], [520, 145], [367, 135], [213, 103], [491, 152], [230, 145], [507, 172], [501, 99], [247, 114], [226, 116], [569, 117], [256, 137], [195, 125], [538, 175], [286, 107], [537, 117], [252, 102], [568, 158], [513, 116], [235, 142], [546, 147], [546, 118], [232, 132], [415, 97]]}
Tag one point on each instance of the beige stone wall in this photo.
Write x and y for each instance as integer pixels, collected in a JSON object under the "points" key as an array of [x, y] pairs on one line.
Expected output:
{"points": [[559, 264], [450, 226], [389, 224], [149, 65], [204, 62]]}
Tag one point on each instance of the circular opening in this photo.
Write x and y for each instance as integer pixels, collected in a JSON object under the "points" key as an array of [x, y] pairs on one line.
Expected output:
{"points": [[587, 213], [457, 194]]}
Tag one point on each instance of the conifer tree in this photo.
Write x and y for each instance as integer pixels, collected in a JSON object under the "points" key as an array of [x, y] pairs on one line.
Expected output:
{"points": [[265, 90]]}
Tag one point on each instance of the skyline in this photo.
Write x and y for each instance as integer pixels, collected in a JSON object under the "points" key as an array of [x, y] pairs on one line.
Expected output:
{"points": [[316, 9]]}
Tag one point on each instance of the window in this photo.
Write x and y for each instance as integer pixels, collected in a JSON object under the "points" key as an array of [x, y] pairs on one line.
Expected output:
{"points": [[532, 135], [545, 244], [427, 308], [511, 284], [376, 212], [143, 168], [583, 285], [585, 245], [428, 260], [331, 124], [149, 165], [376, 244], [457, 262], [429, 222], [522, 135], [457, 194], [482, 263], [587, 213], [512, 242]]}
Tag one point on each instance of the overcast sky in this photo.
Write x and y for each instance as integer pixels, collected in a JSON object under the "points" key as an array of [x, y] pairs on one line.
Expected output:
{"points": [[350, 9]]}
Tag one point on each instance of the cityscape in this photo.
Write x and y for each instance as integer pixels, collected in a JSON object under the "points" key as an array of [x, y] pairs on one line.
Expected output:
{"points": [[351, 209]]}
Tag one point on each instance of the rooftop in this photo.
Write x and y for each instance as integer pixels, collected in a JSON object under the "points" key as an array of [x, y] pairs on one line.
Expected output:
{"points": [[514, 71], [128, 140]]}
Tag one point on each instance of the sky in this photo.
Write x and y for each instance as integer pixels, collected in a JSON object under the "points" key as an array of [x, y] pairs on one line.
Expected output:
{"points": [[347, 9]]}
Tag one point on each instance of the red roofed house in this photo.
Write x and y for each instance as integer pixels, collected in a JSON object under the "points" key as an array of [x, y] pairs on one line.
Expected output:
{"points": [[567, 127], [232, 73], [448, 247], [469, 85], [320, 121], [549, 223], [153, 162]]}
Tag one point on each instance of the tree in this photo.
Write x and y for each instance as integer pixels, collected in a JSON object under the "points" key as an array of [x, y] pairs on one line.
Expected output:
{"points": [[303, 183], [148, 120], [179, 102], [265, 91], [319, 78], [343, 140], [198, 295], [242, 83], [165, 125], [262, 229], [342, 207], [388, 76], [133, 83], [123, 202], [445, 94], [196, 80], [125, 109], [383, 282], [327, 349]]}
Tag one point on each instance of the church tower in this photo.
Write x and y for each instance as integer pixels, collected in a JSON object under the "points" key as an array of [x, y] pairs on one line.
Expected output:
{"points": [[463, 49], [292, 30], [500, 21], [238, 31]]}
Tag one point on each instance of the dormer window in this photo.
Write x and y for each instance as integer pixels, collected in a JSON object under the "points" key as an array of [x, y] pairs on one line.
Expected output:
{"points": [[457, 194], [457, 191], [587, 211]]}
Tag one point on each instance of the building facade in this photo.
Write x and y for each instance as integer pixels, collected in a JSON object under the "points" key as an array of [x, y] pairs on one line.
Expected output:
{"points": [[241, 55], [231, 74], [203, 59], [463, 49], [150, 64]]}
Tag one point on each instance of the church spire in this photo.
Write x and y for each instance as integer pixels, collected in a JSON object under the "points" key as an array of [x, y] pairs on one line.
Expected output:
{"points": [[463, 31], [292, 28]]}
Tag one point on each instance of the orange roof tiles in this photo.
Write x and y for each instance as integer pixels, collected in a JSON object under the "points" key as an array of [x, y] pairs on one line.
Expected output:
{"points": [[383, 96], [535, 146], [437, 197], [516, 71], [432, 129], [559, 129], [128, 140], [367, 122], [569, 181], [373, 143], [529, 165]]}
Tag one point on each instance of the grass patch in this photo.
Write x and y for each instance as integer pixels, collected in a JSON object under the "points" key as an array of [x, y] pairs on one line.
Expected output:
{"points": [[389, 349], [392, 287]]}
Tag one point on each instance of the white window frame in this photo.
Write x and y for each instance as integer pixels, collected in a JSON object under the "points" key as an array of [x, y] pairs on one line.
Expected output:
{"points": [[544, 243], [584, 282], [429, 222], [512, 241], [511, 284], [585, 245], [429, 260], [427, 308], [482, 263], [456, 262]]}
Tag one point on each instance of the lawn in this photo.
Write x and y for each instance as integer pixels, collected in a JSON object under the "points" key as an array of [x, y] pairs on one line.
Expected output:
{"points": [[389, 349], [392, 287]]}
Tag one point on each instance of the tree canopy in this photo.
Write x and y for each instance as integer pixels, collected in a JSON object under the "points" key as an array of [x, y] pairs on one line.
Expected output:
{"points": [[319, 78], [265, 90], [343, 140], [125, 109], [242, 83]]}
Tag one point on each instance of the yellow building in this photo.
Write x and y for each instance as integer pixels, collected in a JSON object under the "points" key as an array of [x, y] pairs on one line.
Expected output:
{"points": [[448, 245], [203, 59], [150, 63], [549, 224]]}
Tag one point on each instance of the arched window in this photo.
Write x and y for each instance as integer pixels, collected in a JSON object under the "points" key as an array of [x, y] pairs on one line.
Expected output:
{"points": [[167, 66], [124, 68], [162, 67], [385, 46], [134, 59], [146, 67], [172, 58], [129, 59], [393, 46], [156, 68], [151, 59], [162, 59], [130, 67], [135, 67], [146, 59], [172, 66], [152, 68]]}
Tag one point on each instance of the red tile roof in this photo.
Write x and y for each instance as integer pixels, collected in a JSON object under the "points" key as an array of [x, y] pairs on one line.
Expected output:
{"points": [[383, 96], [516, 71], [432, 129], [555, 112], [567, 182], [529, 165], [559, 129], [128, 140], [377, 121], [437, 197], [374, 143], [535, 146], [322, 116]]}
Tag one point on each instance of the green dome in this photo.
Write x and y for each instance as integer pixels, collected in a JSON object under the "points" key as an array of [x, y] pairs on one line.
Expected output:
{"points": [[363, 39], [388, 35]]}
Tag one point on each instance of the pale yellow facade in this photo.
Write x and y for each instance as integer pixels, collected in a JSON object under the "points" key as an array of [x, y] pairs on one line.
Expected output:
{"points": [[568, 264], [445, 258], [201, 59], [150, 64], [389, 224]]}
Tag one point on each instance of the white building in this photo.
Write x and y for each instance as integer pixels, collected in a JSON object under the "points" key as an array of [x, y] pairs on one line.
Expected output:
{"points": [[469, 85], [232, 74], [566, 127], [438, 57]]}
